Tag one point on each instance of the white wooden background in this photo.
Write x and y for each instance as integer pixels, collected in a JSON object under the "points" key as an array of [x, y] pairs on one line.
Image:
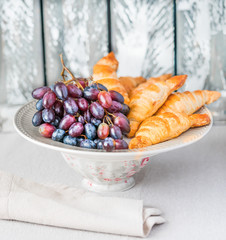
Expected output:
{"points": [[34, 32]]}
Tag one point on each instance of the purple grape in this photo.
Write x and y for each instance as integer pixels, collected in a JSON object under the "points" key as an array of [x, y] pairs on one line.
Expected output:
{"points": [[125, 109], [91, 93], [103, 130], [79, 140], [116, 96], [115, 107], [48, 115], [81, 119], [87, 116], [94, 85], [97, 140], [99, 86], [39, 106], [58, 135], [121, 144], [58, 108], [115, 132], [121, 115], [102, 87], [83, 82], [38, 93], [99, 143], [122, 124], [97, 110], [37, 119], [108, 144], [71, 106], [90, 131], [87, 143], [105, 99], [49, 99], [56, 121], [74, 91], [82, 104], [95, 122], [61, 90], [66, 122], [76, 129], [70, 140], [46, 130]]}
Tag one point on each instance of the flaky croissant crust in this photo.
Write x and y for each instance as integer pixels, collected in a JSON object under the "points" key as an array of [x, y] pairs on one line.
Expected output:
{"points": [[188, 102], [131, 83], [149, 97], [166, 126], [109, 60], [105, 73]]}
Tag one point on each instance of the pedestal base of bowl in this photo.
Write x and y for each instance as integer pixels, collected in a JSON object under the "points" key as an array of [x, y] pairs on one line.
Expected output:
{"points": [[106, 175], [116, 187]]}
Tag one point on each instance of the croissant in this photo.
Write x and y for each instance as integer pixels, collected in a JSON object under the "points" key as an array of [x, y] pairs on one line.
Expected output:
{"points": [[188, 102], [150, 80], [130, 83], [166, 126], [163, 77], [147, 100], [104, 72], [109, 61]]}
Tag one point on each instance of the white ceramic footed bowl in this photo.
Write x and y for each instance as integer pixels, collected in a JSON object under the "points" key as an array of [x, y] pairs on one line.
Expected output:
{"points": [[103, 175], [104, 171]]}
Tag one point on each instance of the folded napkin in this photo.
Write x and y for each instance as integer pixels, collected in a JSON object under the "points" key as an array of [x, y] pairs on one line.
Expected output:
{"points": [[63, 206]]}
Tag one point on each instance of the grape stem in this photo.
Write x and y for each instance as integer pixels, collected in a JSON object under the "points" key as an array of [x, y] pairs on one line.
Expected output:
{"points": [[105, 119], [108, 120], [62, 74], [73, 79], [111, 123], [83, 136], [109, 113]]}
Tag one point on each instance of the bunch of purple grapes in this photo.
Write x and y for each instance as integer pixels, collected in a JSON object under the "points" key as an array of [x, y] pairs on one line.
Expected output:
{"points": [[82, 114]]}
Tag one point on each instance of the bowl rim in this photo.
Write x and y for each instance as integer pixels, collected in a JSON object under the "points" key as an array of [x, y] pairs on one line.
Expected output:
{"points": [[147, 151]]}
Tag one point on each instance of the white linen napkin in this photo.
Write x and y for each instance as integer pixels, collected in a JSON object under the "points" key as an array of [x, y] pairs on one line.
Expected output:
{"points": [[63, 206]]}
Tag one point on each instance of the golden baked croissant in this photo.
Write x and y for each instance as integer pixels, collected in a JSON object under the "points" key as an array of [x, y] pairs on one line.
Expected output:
{"points": [[130, 83], [147, 100], [104, 72], [105, 67], [163, 77], [188, 102], [150, 80], [166, 126]]}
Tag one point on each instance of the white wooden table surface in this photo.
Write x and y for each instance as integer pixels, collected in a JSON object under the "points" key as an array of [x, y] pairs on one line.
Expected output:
{"points": [[188, 185]]}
